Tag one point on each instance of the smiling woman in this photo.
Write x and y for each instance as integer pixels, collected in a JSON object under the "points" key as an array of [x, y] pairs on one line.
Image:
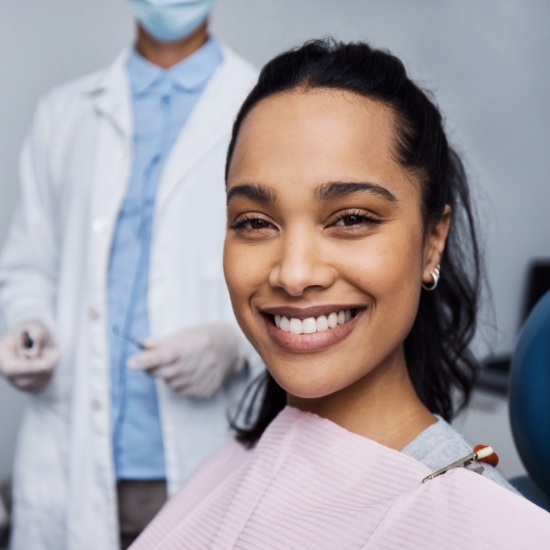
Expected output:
{"points": [[341, 238], [356, 170], [344, 205]]}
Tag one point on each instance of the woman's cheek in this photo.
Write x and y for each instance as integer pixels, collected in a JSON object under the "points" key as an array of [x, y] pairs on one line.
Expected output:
{"points": [[240, 272]]}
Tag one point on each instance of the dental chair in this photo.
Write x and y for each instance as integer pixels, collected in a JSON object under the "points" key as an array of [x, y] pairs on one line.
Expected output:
{"points": [[5, 504], [529, 392]]}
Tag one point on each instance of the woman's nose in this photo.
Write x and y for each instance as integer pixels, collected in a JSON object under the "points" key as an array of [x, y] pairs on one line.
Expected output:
{"points": [[301, 266]]}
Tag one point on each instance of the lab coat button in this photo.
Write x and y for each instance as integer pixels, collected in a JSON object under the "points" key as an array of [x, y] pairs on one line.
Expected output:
{"points": [[96, 404], [100, 224], [93, 314]]}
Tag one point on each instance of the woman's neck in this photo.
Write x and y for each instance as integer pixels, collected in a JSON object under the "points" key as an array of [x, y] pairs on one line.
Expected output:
{"points": [[386, 409]]}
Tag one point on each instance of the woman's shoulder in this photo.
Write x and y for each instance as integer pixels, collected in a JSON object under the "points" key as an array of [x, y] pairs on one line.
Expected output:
{"points": [[440, 444]]}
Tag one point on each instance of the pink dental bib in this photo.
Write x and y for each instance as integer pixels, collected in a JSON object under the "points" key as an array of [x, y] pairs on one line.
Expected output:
{"points": [[310, 484]]}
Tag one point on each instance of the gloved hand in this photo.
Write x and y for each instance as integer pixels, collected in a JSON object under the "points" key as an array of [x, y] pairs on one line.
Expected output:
{"points": [[28, 356], [194, 362]]}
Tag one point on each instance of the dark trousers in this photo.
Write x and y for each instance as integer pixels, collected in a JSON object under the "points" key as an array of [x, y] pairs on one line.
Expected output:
{"points": [[138, 503]]}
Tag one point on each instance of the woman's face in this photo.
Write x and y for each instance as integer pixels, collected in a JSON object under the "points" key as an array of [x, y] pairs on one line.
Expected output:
{"points": [[325, 252]]}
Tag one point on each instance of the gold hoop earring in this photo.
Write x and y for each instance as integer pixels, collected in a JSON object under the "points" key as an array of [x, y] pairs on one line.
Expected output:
{"points": [[435, 276]]}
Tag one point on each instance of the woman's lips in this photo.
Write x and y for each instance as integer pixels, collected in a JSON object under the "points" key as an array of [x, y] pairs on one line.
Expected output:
{"points": [[310, 341]]}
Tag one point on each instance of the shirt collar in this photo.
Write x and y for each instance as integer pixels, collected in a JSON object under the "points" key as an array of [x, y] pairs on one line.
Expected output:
{"points": [[189, 74]]}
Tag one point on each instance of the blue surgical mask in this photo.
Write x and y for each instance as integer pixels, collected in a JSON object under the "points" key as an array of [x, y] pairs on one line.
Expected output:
{"points": [[170, 20]]}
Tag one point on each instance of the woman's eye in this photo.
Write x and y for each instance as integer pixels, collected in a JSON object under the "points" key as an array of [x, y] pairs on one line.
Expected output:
{"points": [[354, 219], [257, 223], [251, 224]]}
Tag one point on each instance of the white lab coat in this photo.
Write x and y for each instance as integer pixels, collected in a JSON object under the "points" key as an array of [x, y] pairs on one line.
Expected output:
{"points": [[74, 168]]}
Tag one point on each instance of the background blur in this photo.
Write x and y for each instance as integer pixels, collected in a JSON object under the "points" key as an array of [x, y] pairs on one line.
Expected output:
{"points": [[487, 62]]}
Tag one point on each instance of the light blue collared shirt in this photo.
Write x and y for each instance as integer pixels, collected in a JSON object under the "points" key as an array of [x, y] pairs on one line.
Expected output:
{"points": [[162, 100]]}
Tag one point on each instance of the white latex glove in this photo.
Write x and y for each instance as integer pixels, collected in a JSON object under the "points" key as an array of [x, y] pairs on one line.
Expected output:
{"points": [[194, 362], [28, 356]]}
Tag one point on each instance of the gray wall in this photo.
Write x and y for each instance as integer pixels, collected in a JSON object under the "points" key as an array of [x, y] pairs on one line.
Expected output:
{"points": [[487, 62]]}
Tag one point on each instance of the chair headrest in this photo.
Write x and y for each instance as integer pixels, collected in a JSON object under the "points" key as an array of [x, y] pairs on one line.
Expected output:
{"points": [[530, 394]]}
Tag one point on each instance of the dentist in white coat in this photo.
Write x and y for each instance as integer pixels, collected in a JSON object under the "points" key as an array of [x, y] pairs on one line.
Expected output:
{"points": [[111, 283]]}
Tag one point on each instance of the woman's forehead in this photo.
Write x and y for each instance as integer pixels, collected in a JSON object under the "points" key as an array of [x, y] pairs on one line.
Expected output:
{"points": [[314, 123], [318, 135], [318, 106]]}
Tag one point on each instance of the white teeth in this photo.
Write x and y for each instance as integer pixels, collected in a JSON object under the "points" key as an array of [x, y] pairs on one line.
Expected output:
{"points": [[285, 324], [296, 326], [311, 325], [322, 323]]}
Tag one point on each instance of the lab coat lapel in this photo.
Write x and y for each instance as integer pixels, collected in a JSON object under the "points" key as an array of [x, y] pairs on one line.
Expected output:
{"points": [[112, 104], [209, 122], [111, 96]]}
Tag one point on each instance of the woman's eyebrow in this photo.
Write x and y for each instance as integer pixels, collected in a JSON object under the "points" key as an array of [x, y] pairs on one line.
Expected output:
{"points": [[254, 191], [341, 189]]}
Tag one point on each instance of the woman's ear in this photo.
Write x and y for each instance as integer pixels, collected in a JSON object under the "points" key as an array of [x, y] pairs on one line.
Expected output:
{"points": [[435, 244]]}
